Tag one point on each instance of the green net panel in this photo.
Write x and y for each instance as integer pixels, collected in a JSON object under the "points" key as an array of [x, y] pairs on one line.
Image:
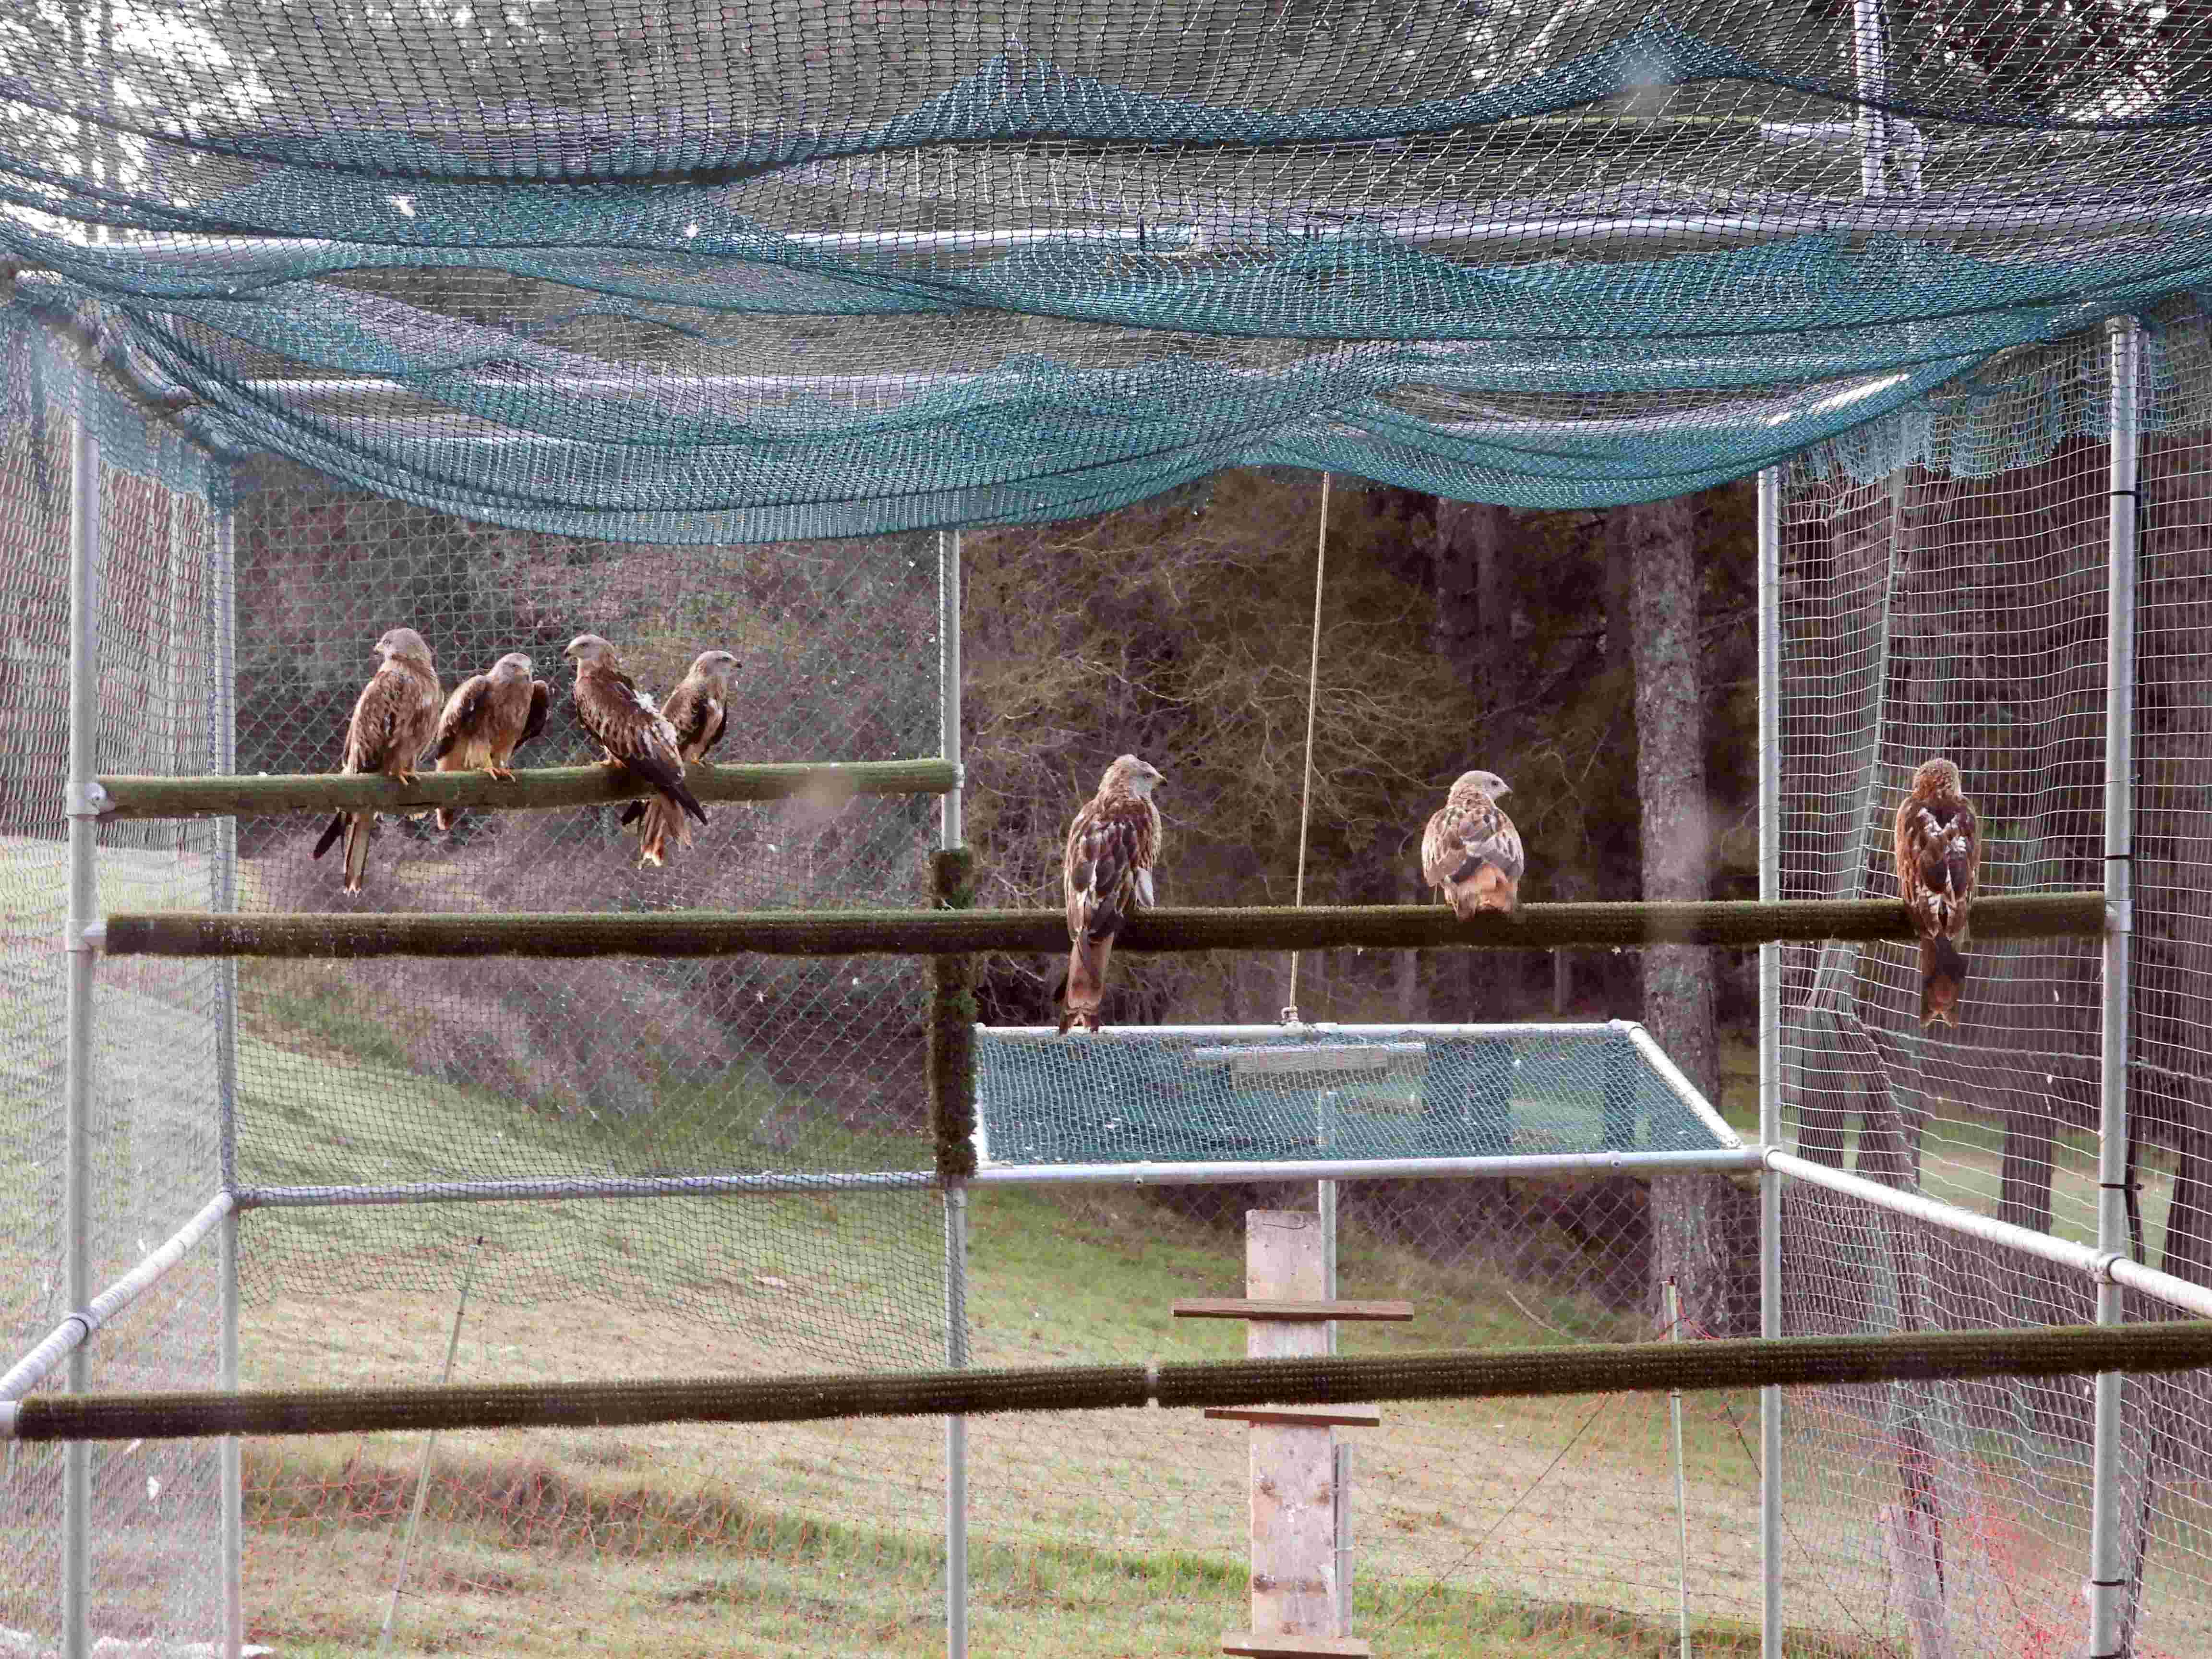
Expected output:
{"points": [[695, 273], [1204, 1094]]}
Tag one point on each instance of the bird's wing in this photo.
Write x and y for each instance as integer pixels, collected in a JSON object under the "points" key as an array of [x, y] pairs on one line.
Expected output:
{"points": [[386, 728], [1963, 858], [463, 710], [695, 714], [540, 698], [629, 727], [1107, 871], [1938, 860], [1458, 843]]}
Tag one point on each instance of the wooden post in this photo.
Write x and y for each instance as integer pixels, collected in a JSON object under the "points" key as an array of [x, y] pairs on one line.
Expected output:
{"points": [[1297, 1610], [1294, 1468]]}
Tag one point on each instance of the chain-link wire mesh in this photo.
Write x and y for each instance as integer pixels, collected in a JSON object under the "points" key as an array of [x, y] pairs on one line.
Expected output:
{"points": [[152, 1132], [1498, 1520], [1958, 609]]}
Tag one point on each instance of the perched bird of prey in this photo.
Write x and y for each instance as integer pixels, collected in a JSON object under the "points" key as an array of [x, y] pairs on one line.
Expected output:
{"points": [[1471, 853], [1939, 856], [632, 731], [697, 710], [487, 719], [393, 718], [1107, 875]]}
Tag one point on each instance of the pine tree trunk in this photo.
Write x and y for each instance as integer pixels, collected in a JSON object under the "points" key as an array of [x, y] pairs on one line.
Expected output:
{"points": [[1691, 1243], [1473, 632]]}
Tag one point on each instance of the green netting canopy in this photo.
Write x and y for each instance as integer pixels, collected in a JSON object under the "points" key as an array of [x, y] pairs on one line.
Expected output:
{"points": [[701, 272], [1245, 1094]]}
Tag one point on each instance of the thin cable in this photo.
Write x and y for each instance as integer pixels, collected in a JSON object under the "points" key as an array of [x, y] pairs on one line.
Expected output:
{"points": [[1313, 687]]}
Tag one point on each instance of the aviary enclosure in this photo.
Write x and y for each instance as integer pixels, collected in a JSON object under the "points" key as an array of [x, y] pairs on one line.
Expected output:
{"points": [[693, 326]]}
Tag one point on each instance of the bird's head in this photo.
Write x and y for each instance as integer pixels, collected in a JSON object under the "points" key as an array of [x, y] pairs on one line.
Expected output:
{"points": [[1480, 783], [715, 665], [1937, 776], [1132, 776], [589, 648], [403, 645], [511, 667]]}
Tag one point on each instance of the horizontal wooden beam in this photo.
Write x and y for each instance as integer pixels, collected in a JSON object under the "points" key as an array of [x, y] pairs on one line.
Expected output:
{"points": [[946, 933], [538, 790], [1312, 1417], [1527, 1373], [1262, 1645], [1245, 1307]]}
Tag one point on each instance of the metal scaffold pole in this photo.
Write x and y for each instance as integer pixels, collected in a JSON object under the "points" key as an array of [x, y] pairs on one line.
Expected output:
{"points": [[82, 805], [223, 733], [2108, 1536], [950, 834], [1769, 1051]]}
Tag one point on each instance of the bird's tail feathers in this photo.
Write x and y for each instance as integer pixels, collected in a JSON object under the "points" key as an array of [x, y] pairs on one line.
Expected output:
{"points": [[1489, 890], [330, 835], [356, 848], [1942, 978], [658, 820], [1086, 991], [445, 820], [689, 802]]}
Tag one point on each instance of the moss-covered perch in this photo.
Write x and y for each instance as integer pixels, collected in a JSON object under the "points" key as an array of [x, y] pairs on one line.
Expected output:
{"points": [[540, 790], [1594, 1368], [952, 1025], [938, 933]]}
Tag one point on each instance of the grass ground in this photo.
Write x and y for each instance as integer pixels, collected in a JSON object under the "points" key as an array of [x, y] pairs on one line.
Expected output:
{"points": [[1482, 1527]]}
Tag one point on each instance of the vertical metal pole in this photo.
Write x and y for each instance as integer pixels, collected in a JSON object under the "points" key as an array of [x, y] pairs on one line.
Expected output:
{"points": [[956, 1198], [1769, 1051], [1341, 1485], [83, 910], [1681, 1494], [950, 830], [2107, 1538], [1870, 69], [222, 733]]}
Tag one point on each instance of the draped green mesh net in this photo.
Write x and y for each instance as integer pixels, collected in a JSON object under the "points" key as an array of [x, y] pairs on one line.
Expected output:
{"points": [[1248, 1094], [694, 272]]}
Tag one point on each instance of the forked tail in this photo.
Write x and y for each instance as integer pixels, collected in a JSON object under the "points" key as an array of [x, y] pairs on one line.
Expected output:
{"points": [[1086, 991], [1942, 979]]}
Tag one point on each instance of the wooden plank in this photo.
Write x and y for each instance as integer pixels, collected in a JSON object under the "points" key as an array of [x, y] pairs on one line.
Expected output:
{"points": [[1346, 1417], [1295, 1647], [1293, 1528], [1310, 1057], [1288, 1310]]}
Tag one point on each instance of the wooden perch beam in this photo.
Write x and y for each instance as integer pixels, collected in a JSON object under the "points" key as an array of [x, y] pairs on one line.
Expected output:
{"points": [[944, 933], [540, 790]]}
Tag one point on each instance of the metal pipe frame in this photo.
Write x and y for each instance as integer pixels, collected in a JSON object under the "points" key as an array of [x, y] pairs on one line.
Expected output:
{"points": [[1677, 1082], [776, 1184], [83, 909], [222, 722], [765, 1184], [950, 834], [1769, 1051], [67, 1340], [1370, 1169], [2104, 1266], [2108, 1545]]}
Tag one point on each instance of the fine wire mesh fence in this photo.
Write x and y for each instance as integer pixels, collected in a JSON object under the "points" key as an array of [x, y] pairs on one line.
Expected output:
{"points": [[155, 1563], [1911, 1507], [1958, 607]]}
